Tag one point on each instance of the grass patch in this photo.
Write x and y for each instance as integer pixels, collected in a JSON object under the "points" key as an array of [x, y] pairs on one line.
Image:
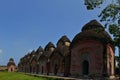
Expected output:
{"points": [[18, 76]]}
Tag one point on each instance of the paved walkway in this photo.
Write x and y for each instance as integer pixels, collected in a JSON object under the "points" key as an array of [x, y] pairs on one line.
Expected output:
{"points": [[64, 78], [56, 77]]}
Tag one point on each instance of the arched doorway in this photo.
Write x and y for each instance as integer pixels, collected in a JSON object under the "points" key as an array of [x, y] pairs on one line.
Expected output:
{"points": [[37, 70], [42, 69], [85, 67], [11, 70], [55, 69]]}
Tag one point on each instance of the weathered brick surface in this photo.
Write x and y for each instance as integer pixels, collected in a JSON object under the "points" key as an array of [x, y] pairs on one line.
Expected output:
{"points": [[89, 50]]}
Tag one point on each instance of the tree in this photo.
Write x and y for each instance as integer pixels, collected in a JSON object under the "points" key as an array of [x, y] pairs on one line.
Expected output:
{"points": [[110, 15]]}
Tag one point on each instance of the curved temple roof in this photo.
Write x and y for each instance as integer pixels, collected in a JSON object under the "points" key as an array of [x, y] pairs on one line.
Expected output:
{"points": [[50, 44], [40, 49], [11, 62], [63, 39], [93, 30], [93, 24]]}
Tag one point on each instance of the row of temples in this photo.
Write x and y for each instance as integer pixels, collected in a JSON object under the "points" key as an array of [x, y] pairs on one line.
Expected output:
{"points": [[90, 53], [50, 60]]}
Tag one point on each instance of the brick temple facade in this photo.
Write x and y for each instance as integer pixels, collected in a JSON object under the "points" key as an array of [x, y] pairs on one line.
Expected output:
{"points": [[11, 67], [90, 53]]}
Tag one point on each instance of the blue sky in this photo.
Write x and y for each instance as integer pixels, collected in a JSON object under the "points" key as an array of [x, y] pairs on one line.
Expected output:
{"points": [[27, 24]]}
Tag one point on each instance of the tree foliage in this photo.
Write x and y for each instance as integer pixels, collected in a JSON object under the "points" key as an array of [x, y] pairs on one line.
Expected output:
{"points": [[91, 4], [110, 15]]}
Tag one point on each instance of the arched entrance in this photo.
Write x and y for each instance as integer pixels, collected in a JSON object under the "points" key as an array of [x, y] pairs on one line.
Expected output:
{"points": [[11, 70], [55, 69], [37, 70], [85, 67], [42, 69]]}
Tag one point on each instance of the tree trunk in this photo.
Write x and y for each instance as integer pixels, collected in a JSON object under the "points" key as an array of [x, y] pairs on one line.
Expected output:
{"points": [[119, 51], [119, 58]]}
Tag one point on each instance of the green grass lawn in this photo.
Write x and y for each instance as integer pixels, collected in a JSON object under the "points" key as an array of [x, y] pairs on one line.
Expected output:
{"points": [[18, 76]]}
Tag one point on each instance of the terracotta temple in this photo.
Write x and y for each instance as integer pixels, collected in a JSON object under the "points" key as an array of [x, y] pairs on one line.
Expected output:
{"points": [[11, 67], [90, 53]]}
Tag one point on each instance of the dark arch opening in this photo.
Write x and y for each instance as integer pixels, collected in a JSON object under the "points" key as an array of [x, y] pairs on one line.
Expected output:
{"points": [[11, 69], [37, 70], [85, 67], [42, 69], [55, 69]]}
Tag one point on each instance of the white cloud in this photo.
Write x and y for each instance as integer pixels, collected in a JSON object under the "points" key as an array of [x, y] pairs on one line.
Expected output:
{"points": [[30, 50], [1, 51]]}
